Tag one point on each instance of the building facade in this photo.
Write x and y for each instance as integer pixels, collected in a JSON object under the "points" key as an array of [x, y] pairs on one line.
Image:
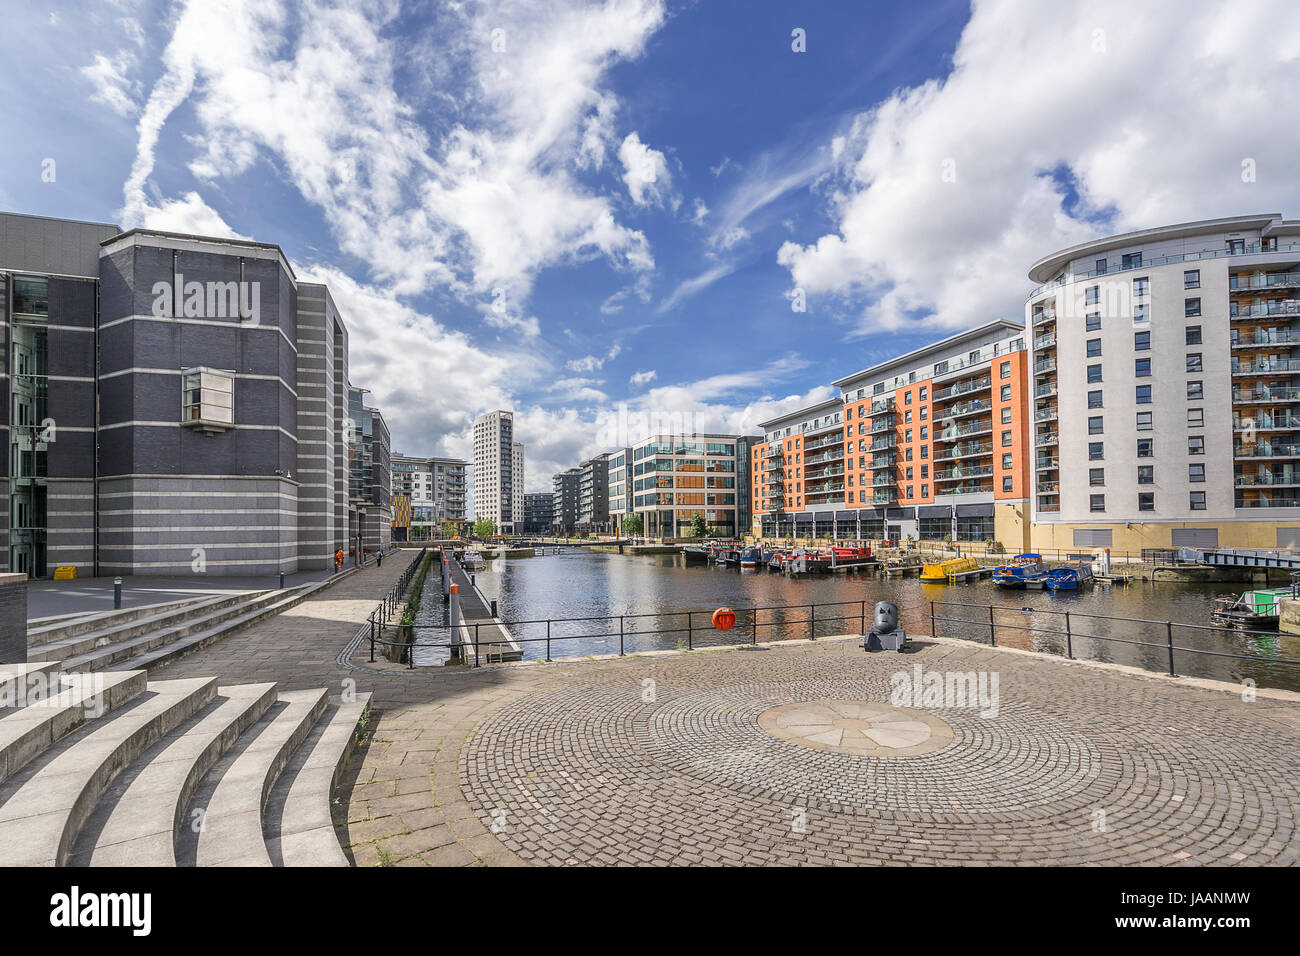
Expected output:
{"points": [[494, 461], [517, 486], [370, 492], [564, 501], [620, 488], [434, 489], [676, 477], [932, 445], [539, 512], [593, 495], [173, 405], [1166, 380]]}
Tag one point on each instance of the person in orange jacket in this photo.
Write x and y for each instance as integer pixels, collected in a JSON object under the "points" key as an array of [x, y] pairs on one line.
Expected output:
{"points": [[338, 560]]}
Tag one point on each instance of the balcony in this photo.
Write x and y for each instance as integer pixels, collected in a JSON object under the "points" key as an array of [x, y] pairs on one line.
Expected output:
{"points": [[972, 488], [1043, 439], [1046, 365], [1044, 390], [883, 424], [945, 370], [967, 450], [1264, 449], [1266, 366], [1045, 414], [982, 384], [1048, 507], [1049, 487], [1276, 393], [1274, 307], [1045, 341], [835, 439], [882, 405], [962, 409], [954, 432], [1285, 479], [1280, 501], [968, 471], [884, 498], [1047, 464], [822, 476], [834, 454], [1260, 337], [1046, 315], [1281, 280], [884, 441], [884, 481], [1266, 423]]}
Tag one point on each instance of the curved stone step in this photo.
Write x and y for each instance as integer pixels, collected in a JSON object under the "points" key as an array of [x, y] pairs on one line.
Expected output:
{"points": [[234, 793], [42, 808], [50, 630], [298, 827], [136, 820], [27, 732], [21, 684], [112, 627]]}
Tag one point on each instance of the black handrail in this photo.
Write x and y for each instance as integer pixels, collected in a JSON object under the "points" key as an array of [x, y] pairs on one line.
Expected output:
{"points": [[381, 616], [1071, 633]]}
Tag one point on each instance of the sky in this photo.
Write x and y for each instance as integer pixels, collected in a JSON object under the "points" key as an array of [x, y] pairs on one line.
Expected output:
{"points": [[624, 216]]}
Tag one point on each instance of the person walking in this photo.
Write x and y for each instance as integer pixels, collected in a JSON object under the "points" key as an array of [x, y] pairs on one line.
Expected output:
{"points": [[338, 560], [379, 559]]}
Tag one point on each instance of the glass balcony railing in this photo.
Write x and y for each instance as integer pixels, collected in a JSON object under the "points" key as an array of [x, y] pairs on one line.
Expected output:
{"points": [[966, 450], [1263, 366], [1045, 438], [1276, 393], [1265, 449], [953, 432], [1045, 341], [961, 388], [1046, 365], [972, 488], [962, 409], [1275, 501], [1263, 423], [1274, 307], [1283, 478], [1265, 337], [967, 471], [1280, 280], [1047, 464], [1045, 414], [1047, 388]]}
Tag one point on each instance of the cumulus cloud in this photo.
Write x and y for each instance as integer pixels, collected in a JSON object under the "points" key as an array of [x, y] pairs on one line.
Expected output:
{"points": [[645, 172], [112, 86], [1058, 123], [643, 378]]}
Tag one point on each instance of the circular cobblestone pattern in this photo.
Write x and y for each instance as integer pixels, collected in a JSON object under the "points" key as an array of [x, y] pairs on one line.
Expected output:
{"points": [[797, 756]]}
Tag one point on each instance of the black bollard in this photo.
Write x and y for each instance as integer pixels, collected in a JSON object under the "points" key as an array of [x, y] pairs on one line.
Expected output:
{"points": [[117, 594]]}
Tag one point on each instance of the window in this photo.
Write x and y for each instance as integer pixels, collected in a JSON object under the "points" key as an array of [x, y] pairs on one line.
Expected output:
{"points": [[1006, 370], [925, 473], [1006, 439], [925, 491], [1096, 502], [925, 432], [925, 391], [909, 491], [1192, 307], [1194, 362], [1141, 286], [1142, 368], [1146, 474], [1094, 373], [1095, 425], [1094, 398], [907, 455], [1146, 501], [1006, 393], [908, 476], [1096, 476], [1143, 398], [1193, 334], [1131, 260], [1095, 451], [925, 451], [907, 398], [1236, 247], [1195, 390], [1196, 500], [1092, 295], [1008, 484], [1092, 322], [1006, 462], [925, 413], [1101, 267], [1144, 423], [1192, 279], [1146, 448], [1006, 416], [1094, 347], [1196, 473], [1141, 341], [1141, 313], [208, 397], [907, 435], [907, 417], [1196, 444], [1196, 418]]}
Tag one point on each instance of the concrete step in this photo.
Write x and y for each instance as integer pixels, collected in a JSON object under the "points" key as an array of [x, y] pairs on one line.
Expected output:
{"points": [[232, 796], [297, 824], [27, 732], [136, 820], [43, 807], [21, 684], [117, 625], [89, 644]]}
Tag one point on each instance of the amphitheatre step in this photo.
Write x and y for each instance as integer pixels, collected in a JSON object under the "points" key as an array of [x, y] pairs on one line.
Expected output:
{"points": [[170, 650], [27, 732], [43, 807], [118, 623], [85, 643], [234, 792], [21, 683], [135, 822], [297, 825]]}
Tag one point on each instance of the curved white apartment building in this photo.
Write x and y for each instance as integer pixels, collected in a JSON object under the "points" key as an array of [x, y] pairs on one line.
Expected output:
{"points": [[1165, 385]]}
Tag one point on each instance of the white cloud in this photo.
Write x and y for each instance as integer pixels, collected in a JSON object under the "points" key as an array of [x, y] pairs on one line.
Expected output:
{"points": [[700, 213], [645, 172], [113, 88], [593, 363], [1111, 91], [643, 378], [696, 284], [189, 215]]}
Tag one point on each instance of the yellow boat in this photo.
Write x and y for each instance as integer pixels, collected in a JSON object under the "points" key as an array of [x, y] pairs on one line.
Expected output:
{"points": [[941, 571]]}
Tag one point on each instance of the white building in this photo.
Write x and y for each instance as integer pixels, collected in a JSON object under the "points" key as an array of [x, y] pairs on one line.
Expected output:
{"points": [[435, 488], [495, 455], [517, 487], [1166, 384]]}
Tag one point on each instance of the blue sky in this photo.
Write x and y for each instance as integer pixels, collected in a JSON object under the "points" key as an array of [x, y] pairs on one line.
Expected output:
{"points": [[597, 211]]}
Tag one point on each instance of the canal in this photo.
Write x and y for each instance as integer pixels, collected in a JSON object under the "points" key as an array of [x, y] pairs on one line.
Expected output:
{"points": [[667, 604]]}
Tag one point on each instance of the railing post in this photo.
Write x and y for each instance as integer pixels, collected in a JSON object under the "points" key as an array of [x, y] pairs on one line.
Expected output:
{"points": [[690, 631], [993, 636], [812, 622], [1069, 641], [620, 635], [863, 622], [934, 631], [476, 653], [753, 630], [548, 641], [372, 637], [1169, 640]]}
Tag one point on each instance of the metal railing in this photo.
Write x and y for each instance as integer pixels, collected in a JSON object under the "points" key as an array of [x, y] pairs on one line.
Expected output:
{"points": [[1070, 632], [382, 616]]}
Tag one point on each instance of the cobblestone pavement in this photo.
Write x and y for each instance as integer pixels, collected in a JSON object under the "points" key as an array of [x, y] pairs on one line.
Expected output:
{"points": [[664, 759]]}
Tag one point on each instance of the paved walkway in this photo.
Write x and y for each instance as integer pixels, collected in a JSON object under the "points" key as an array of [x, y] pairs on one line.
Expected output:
{"points": [[700, 757]]}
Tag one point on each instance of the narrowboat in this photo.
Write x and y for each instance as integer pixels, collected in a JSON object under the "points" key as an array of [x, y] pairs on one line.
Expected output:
{"points": [[940, 571], [775, 559], [694, 554], [1022, 569], [1069, 577], [851, 554], [751, 558], [1256, 610], [472, 561]]}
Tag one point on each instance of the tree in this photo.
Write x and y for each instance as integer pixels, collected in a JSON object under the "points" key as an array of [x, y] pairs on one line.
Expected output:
{"points": [[698, 528], [449, 528], [633, 525], [485, 528]]}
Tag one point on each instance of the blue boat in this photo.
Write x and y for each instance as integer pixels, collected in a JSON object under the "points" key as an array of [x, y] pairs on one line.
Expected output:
{"points": [[1069, 577], [1022, 569], [751, 557]]}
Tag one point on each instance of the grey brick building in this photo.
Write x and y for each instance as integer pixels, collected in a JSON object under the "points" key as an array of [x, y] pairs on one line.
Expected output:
{"points": [[172, 404]]}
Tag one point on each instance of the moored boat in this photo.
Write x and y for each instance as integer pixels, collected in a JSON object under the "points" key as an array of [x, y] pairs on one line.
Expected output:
{"points": [[695, 554], [851, 554], [751, 557], [1069, 577], [1255, 610], [940, 571], [1022, 569]]}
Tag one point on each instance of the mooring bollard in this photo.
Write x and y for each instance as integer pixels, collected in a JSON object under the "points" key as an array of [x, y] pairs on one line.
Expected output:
{"points": [[117, 594]]}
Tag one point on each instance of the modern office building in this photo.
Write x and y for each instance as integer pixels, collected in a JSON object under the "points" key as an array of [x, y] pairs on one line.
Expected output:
{"points": [[173, 404], [1167, 387], [494, 461], [593, 494], [434, 489], [517, 485], [620, 488], [931, 445], [564, 504], [539, 512], [676, 477], [370, 470]]}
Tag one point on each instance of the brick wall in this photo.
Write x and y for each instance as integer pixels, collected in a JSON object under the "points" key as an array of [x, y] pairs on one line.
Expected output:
{"points": [[13, 618]]}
